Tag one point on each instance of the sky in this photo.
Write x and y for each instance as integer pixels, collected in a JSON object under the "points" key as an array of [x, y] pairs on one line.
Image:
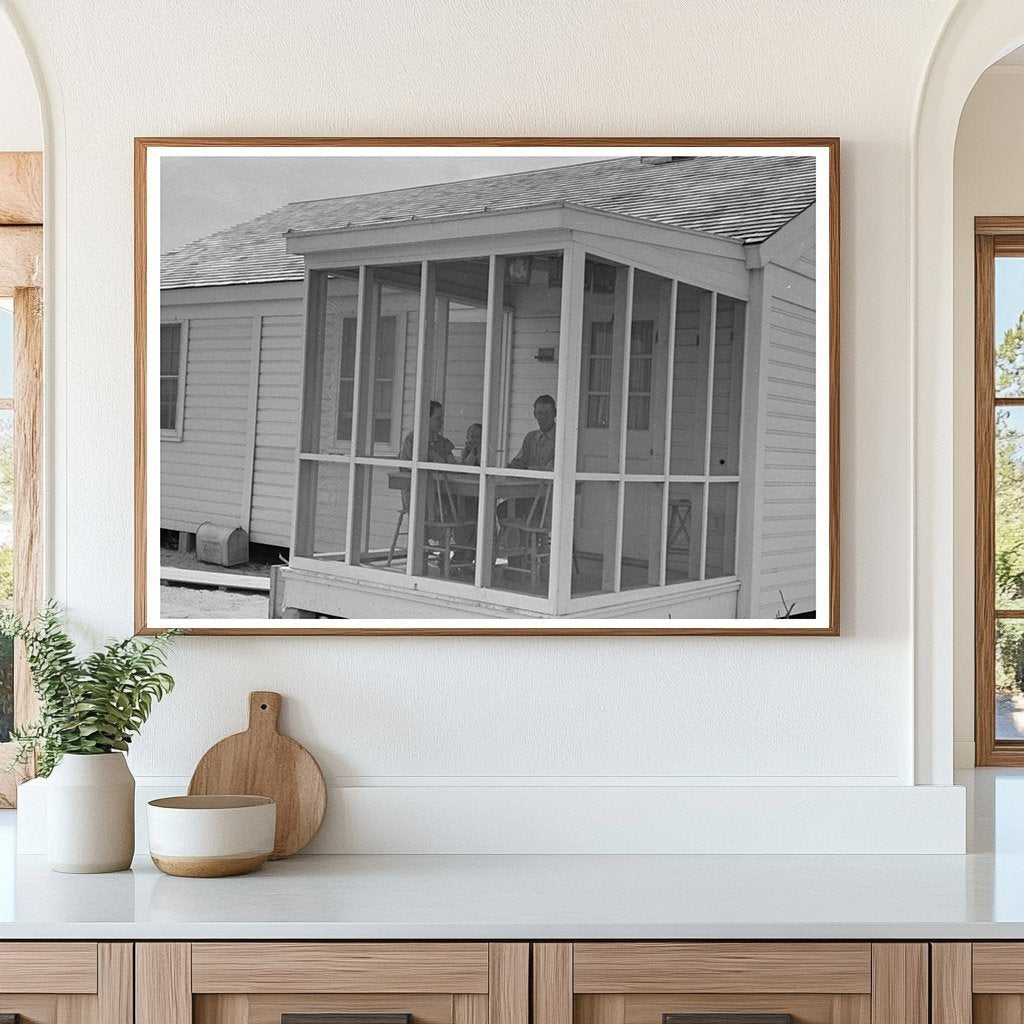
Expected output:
{"points": [[1009, 292], [200, 195], [6, 353]]}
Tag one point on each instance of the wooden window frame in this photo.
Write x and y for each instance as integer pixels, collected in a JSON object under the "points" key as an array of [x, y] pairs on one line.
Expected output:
{"points": [[177, 432], [394, 442], [993, 237], [21, 270]]}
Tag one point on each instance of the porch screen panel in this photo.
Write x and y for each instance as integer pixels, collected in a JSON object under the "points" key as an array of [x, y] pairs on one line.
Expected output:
{"points": [[330, 487], [519, 512], [642, 510], [379, 440], [720, 553], [726, 400], [450, 399], [603, 370], [690, 381], [594, 538], [683, 532]]}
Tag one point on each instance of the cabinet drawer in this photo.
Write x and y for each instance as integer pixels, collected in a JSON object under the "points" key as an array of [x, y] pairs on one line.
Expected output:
{"points": [[747, 967], [340, 967], [66, 982], [332, 983], [730, 983], [65, 967]]}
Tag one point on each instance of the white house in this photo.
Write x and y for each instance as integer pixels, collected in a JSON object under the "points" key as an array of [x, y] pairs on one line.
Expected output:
{"points": [[299, 350]]}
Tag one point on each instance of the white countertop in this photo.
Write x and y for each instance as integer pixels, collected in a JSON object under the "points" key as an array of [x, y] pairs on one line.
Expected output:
{"points": [[496, 897], [977, 896]]}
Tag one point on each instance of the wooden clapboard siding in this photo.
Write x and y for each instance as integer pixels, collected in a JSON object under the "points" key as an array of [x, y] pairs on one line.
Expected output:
{"points": [[464, 380], [788, 460], [277, 429], [203, 476]]}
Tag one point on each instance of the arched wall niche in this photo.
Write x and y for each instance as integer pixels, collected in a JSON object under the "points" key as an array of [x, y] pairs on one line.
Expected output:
{"points": [[976, 34]]}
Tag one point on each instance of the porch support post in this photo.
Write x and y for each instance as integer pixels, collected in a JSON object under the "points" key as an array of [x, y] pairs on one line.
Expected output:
{"points": [[620, 400], [304, 520], [367, 319], [570, 357], [712, 332], [669, 375], [490, 432], [753, 421], [415, 563]]}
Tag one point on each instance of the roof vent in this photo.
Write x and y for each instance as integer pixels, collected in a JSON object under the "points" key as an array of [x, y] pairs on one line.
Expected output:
{"points": [[664, 159]]}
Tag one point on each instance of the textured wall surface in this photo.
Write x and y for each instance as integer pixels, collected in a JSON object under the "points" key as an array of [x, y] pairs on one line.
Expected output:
{"points": [[697, 711]]}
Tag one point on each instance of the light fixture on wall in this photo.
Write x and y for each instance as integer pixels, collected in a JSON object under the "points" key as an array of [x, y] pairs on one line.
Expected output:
{"points": [[519, 269]]}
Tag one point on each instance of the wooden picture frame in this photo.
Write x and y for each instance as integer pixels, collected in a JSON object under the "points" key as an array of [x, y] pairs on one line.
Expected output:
{"points": [[21, 278], [994, 237], [694, 558]]}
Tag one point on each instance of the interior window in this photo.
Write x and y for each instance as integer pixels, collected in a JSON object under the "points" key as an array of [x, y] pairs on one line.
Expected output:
{"points": [[384, 379], [170, 375]]}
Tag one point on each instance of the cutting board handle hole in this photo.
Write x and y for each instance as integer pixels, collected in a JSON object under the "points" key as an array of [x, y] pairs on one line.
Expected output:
{"points": [[263, 707]]}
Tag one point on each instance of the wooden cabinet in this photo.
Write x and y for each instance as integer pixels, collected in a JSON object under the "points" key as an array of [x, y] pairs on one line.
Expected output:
{"points": [[378, 982], [512, 983], [759, 982], [978, 983], [66, 982]]}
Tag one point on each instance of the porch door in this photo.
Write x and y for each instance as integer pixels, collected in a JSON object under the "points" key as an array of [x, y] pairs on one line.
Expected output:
{"points": [[607, 391]]}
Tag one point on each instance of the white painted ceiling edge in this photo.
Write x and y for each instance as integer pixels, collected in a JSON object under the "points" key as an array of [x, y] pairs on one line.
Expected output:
{"points": [[976, 34]]}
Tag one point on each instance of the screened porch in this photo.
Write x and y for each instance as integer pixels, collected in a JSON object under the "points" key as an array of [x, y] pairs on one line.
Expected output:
{"points": [[519, 431]]}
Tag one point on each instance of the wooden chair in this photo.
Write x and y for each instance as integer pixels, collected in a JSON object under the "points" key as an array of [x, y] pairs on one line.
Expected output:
{"points": [[446, 525], [529, 537]]}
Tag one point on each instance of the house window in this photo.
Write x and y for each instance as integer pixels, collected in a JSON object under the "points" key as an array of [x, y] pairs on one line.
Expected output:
{"points": [[599, 388], [641, 365], [172, 372], [383, 380], [999, 495]]}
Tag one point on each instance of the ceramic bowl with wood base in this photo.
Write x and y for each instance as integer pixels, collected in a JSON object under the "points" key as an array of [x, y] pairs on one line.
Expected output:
{"points": [[211, 836]]}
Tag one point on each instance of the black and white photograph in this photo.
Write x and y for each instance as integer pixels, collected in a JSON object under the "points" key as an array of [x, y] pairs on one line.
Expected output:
{"points": [[488, 388]]}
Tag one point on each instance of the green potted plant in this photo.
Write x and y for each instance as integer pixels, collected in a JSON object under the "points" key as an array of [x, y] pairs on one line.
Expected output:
{"points": [[90, 708]]}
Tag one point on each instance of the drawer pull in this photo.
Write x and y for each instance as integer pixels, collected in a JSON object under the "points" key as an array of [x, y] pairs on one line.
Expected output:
{"points": [[339, 1018], [727, 1018]]}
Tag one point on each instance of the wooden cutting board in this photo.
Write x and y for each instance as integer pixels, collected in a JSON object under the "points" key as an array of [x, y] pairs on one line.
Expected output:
{"points": [[262, 762]]}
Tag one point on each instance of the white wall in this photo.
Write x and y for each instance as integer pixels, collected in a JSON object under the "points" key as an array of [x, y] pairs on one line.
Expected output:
{"points": [[987, 182], [21, 127], [697, 712]]}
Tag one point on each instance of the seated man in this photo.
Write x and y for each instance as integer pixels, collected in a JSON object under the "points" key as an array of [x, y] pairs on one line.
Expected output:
{"points": [[538, 450]]}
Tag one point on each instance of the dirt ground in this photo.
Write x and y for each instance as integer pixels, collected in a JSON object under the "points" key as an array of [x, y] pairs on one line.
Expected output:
{"points": [[260, 561], [210, 603]]}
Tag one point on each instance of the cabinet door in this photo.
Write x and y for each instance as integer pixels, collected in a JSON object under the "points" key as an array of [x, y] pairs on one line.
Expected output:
{"points": [[332, 983], [66, 982], [981, 982], [730, 983]]}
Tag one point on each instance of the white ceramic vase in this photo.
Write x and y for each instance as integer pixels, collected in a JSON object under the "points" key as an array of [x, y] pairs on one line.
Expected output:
{"points": [[90, 814]]}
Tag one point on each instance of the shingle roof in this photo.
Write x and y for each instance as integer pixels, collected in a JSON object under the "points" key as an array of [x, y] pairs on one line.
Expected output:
{"points": [[741, 198]]}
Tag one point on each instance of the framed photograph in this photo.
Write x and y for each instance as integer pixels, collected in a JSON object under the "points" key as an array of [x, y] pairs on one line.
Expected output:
{"points": [[498, 386]]}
